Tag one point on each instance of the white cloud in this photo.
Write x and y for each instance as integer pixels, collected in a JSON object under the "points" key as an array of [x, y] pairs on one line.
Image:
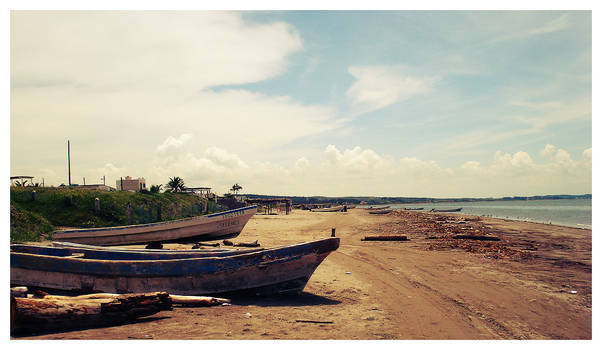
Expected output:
{"points": [[146, 49], [172, 145], [549, 149], [376, 87]]}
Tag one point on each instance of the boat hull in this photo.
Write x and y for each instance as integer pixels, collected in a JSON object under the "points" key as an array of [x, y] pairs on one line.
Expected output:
{"points": [[331, 209], [222, 225], [278, 270]]}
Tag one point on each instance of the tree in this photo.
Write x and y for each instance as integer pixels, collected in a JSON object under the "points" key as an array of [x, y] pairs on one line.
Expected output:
{"points": [[235, 188], [175, 184], [155, 188]]}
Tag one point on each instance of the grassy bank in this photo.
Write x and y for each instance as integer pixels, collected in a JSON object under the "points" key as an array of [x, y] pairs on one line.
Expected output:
{"points": [[53, 207]]}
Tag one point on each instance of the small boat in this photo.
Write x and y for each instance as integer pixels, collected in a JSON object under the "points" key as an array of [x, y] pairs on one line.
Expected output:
{"points": [[269, 271], [330, 209], [445, 210], [226, 224], [413, 208], [377, 208], [382, 211]]}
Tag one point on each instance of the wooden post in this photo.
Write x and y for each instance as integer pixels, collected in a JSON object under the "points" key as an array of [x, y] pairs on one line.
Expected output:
{"points": [[332, 232], [159, 211], [34, 196], [96, 206], [129, 210]]}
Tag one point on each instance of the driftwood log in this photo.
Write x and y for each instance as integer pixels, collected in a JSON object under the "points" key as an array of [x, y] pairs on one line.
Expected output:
{"points": [[52, 313], [385, 238]]}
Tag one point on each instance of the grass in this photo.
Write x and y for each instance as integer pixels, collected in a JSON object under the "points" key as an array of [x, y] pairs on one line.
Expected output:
{"points": [[32, 219]]}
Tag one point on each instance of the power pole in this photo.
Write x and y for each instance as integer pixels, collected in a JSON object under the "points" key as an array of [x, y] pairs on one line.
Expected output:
{"points": [[69, 160], [103, 180]]}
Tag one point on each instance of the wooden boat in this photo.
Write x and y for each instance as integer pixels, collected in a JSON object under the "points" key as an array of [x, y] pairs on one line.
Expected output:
{"points": [[378, 208], [445, 210], [270, 271], [226, 224], [413, 208], [382, 211], [330, 209]]}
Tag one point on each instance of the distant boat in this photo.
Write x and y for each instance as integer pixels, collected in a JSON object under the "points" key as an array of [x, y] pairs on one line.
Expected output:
{"points": [[226, 224], [413, 208], [445, 210], [330, 209], [377, 208], [381, 211], [270, 271]]}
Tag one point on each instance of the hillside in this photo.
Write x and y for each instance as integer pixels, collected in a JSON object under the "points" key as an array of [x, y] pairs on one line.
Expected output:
{"points": [[31, 219]]}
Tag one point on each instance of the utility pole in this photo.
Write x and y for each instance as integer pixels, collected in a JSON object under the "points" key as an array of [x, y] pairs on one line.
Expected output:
{"points": [[84, 181], [69, 160], [103, 180]]}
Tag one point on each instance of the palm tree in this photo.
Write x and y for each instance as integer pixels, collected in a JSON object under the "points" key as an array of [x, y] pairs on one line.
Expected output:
{"points": [[175, 184], [235, 188], [155, 188]]}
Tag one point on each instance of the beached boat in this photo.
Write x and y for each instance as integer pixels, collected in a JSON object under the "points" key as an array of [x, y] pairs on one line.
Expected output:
{"points": [[270, 271], [445, 210], [330, 209], [413, 208], [382, 211], [378, 208], [226, 224]]}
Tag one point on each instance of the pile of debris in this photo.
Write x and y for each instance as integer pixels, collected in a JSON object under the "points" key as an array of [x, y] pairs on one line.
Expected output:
{"points": [[445, 232]]}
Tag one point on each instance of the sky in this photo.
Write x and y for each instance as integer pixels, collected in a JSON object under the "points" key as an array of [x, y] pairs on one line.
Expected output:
{"points": [[333, 103]]}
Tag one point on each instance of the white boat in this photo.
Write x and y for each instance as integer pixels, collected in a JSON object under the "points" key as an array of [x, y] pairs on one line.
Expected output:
{"points": [[330, 209], [226, 224]]}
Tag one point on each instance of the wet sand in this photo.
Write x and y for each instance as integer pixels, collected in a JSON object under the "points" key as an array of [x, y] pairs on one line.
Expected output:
{"points": [[535, 283]]}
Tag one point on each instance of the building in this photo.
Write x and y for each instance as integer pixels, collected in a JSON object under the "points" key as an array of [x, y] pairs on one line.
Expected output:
{"points": [[129, 184]]}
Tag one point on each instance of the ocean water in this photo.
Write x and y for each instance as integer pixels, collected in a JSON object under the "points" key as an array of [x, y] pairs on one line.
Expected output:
{"points": [[565, 212]]}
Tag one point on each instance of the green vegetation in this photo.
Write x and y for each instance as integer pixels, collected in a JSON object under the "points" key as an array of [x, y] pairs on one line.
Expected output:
{"points": [[235, 188], [72, 207], [175, 184]]}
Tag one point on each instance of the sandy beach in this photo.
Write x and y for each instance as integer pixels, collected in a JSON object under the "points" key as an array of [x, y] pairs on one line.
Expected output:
{"points": [[535, 283]]}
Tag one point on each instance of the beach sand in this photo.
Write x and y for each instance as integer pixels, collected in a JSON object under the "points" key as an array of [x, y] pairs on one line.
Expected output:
{"points": [[535, 283]]}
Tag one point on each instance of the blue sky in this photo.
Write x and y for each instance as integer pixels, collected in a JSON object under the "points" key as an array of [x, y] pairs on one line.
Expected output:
{"points": [[396, 103]]}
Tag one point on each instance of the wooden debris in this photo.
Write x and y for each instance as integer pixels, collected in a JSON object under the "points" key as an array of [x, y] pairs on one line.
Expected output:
{"points": [[199, 245], [312, 321], [477, 237], [18, 292], [52, 313], [242, 244], [191, 301], [385, 238]]}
